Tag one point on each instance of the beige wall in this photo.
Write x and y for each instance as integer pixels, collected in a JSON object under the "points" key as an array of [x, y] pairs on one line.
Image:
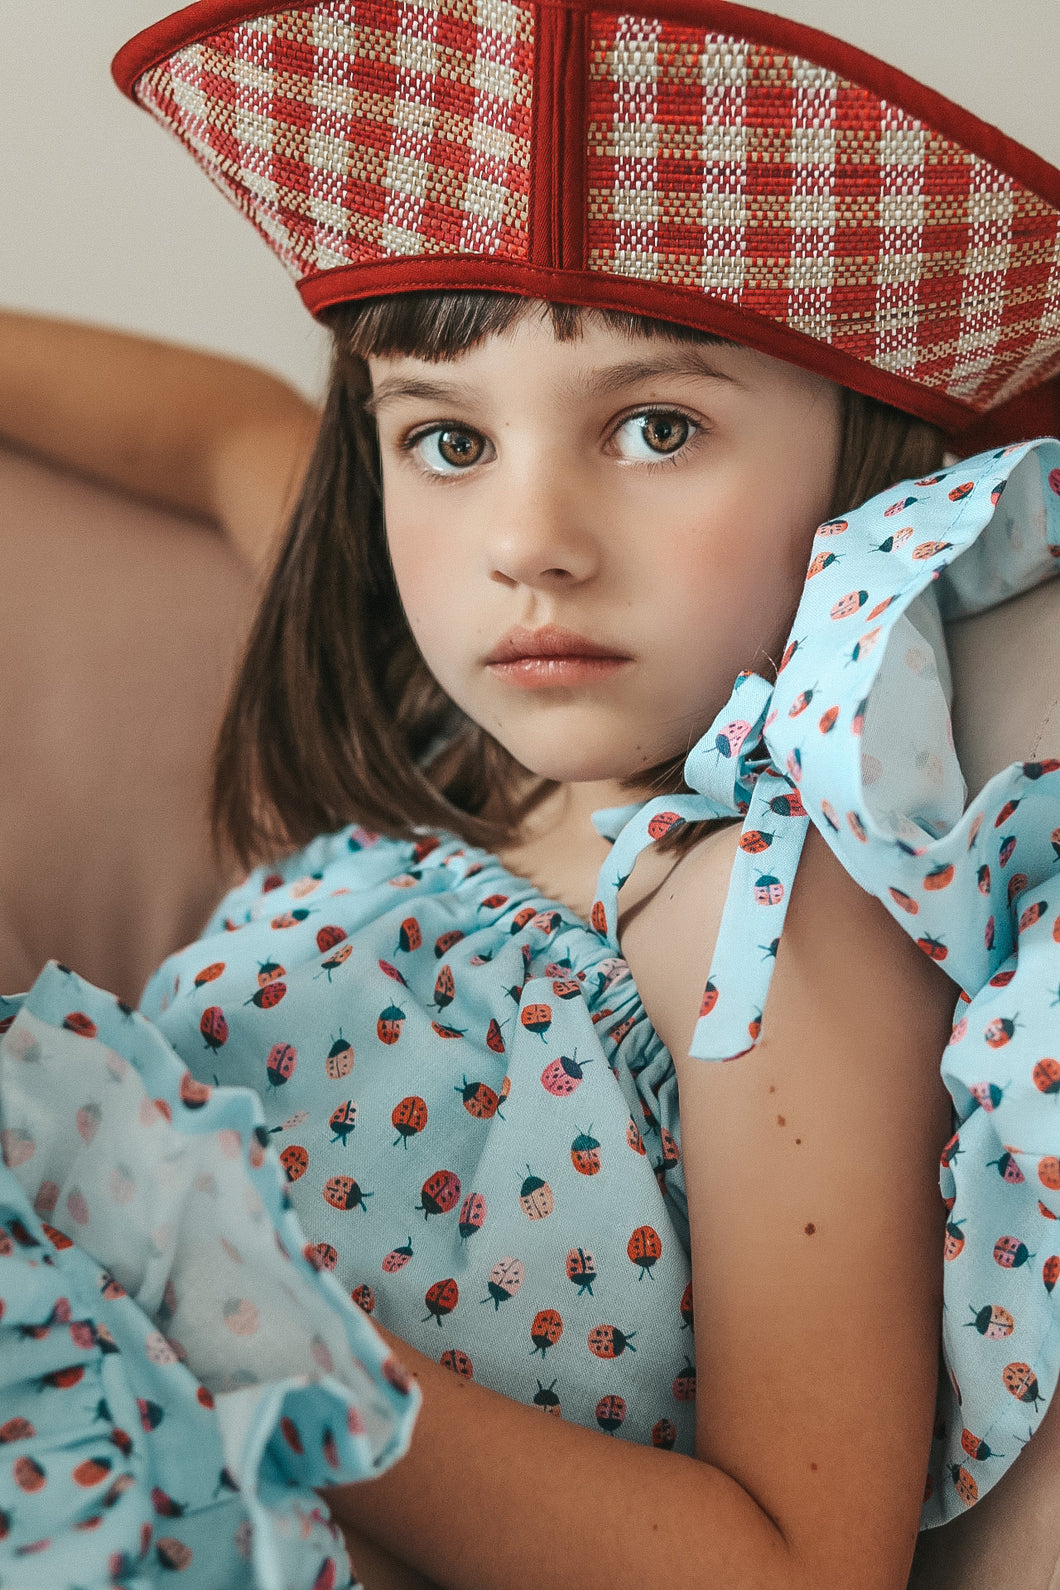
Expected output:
{"points": [[105, 218]]}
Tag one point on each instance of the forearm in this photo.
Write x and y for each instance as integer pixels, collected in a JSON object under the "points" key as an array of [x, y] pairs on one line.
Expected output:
{"points": [[210, 436], [495, 1495]]}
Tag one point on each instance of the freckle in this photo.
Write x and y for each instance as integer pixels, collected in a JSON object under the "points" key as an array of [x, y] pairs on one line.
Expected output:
{"points": [[813, 1468], [772, 1089], [782, 1120], [798, 1142], [810, 1229]]}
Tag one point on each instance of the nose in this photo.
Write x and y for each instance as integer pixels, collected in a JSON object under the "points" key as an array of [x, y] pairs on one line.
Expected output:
{"points": [[542, 530]]}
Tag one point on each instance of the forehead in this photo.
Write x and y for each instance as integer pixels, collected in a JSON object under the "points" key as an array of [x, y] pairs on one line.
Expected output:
{"points": [[599, 359]]}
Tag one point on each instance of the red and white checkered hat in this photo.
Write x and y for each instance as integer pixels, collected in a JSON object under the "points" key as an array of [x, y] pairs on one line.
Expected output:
{"points": [[700, 162]]}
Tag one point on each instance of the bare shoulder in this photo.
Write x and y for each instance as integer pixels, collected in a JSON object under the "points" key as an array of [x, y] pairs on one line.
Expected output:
{"points": [[839, 943]]}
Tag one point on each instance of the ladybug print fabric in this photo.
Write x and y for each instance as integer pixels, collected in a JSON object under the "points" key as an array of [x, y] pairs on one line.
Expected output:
{"points": [[516, 1203], [494, 1170], [178, 1375]]}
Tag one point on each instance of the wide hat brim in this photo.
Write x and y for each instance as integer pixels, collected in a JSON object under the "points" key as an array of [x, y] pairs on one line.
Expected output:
{"points": [[703, 163]]}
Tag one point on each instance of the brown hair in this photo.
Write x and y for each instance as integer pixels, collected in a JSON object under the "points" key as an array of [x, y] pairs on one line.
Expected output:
{"points": [[334, 716]]}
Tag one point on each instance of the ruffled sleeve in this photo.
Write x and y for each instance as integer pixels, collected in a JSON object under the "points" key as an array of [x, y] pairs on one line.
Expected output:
{"points": [[177, 1376]]}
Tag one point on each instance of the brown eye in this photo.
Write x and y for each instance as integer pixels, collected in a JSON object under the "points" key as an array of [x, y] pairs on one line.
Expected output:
{"points": [[665, 433], [459, 448]]}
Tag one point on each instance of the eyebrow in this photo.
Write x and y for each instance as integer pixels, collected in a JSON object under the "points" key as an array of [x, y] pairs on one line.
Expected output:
{"points": [[692, 360]]}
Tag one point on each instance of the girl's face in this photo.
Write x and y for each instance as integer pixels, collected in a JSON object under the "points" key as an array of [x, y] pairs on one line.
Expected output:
{"points": [[592, 538]]}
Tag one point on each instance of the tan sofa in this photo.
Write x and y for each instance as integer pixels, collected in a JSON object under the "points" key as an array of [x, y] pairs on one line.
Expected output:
{"points": [[121, 626]]}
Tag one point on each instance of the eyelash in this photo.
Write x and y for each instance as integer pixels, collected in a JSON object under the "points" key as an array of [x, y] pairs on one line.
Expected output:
{"points": [[408, 444]]}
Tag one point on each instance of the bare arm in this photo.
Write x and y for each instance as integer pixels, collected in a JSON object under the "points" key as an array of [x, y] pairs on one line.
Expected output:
{"points": [[811, 1169], [206, 435]]}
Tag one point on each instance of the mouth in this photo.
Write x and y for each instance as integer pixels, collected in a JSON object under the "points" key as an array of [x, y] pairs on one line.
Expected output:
{"points": [[552, 656]]}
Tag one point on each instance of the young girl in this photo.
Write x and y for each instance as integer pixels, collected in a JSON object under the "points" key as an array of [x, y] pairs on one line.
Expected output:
{"points": [[509, 708]]}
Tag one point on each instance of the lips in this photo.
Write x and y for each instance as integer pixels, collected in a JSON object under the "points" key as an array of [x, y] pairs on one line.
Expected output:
{"points": [[549, 641]]}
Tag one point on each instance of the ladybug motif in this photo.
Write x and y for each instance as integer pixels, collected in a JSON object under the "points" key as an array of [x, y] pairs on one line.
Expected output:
{"points": [[444, 989], [364, 1298], [1046, 1076], [214, 1027], [281, 1063], [81, 1024], [445, 941], [827, 721], [664, 1434], [1006, 850], [545, 1397], [598, 918], [687, 1309], [567, 988], [295, 1161], [1021, 1381], [955, 1240], [339, 1062], [397, 1259], [905, 901], [536, 1018], [644, 1249], [933, 948], [607, 1341], [342, 1192], [684, 1385], [505, 1279], [343, 1121], [408, 1118], [321, 1255], [977, 1448], [1007, 1168], [940, 876], [755, 840], [585, 1153], [610, 1414], [458, 1362], [269, 971], [440, 1193], [29, 1475], [987, 1095], [991, 1321], [333, 962], [536, 1197], [966, 1488], [768, 890], [288, 919], [634, 1139], [209, 974], [1032, 914], [390, 970], [409, 936], [664, 823], [581, 1270], [494, 1036], [472, 1217], [388, 1026], [441, 1299], [480, 1101], [930, 549], [561, 1076], [1049, 1172], [447, 1032], [1051, 1272], [1016, 885], [822, 561], [1010, 1253], [999, 1031], [268, 996], [709, 1000], [546, 1328], [1003, 978], [848, 605], [328, 937], [857, 827]]}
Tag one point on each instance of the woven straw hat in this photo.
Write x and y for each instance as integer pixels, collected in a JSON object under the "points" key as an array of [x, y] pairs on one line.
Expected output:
{"points": [[700, 162]]}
